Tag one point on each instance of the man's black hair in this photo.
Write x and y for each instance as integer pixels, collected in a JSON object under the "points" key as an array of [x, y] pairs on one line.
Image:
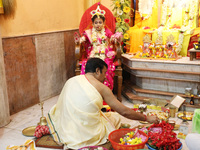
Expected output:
{"points": [[95, 16], [94, 63]]}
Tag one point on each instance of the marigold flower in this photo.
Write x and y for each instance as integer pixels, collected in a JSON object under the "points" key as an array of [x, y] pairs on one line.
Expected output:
{"points": [[126, 9], [117, 4], [126, 36], [126, 20], [118, 19]]}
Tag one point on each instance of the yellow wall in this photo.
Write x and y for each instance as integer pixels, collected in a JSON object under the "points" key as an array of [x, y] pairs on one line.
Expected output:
{"points": [[41, 16], [107, 3]]}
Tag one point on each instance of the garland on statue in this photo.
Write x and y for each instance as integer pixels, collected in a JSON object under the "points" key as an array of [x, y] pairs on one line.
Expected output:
{"points": [[188, 21], [143, 11]]}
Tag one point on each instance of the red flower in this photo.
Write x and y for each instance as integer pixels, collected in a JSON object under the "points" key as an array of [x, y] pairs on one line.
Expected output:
{"points": [[126, 20], [164, 140], [146, 27]]}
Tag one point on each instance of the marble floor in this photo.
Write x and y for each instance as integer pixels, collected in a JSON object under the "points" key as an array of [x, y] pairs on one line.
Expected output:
{"points": [[11, 134]]}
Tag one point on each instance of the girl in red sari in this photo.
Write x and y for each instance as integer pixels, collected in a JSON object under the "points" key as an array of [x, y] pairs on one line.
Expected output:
{"points": [[98, 42]]}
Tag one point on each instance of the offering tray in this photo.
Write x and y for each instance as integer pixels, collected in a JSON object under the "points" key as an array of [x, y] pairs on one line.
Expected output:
{"points": [[144, 122], [188, 116], [160, 114]]}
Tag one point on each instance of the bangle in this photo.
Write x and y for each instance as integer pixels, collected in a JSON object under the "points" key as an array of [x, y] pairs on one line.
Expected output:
{"points": [[145, 118]]}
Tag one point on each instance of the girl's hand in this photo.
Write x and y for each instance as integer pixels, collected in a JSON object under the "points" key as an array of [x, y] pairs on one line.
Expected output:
{"points": [[82, 39], [110, 54]]}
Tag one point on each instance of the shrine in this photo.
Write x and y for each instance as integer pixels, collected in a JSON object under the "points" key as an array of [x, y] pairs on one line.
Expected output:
{"points": [[161, 47], [164, 18]]}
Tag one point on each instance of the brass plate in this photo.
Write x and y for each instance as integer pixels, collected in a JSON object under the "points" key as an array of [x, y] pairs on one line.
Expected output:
{"points": [[189, 116], [125, 125], [144, 122], [161, 115], [29, 131]]}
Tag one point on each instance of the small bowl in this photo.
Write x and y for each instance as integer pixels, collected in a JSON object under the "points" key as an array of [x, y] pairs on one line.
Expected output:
{"points": [[172, 122], [125, 125]]}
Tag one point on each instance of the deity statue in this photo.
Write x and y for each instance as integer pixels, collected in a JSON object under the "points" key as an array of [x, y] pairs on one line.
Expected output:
{"points": [[147, 46], [171, 46], [158, 48]]}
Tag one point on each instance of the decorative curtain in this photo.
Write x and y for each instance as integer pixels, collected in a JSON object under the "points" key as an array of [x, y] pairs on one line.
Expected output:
{"points": [[1, 7], [89, 3]]}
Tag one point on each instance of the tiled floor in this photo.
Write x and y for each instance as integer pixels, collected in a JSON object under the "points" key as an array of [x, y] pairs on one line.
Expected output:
{"points": [[11, 134]]}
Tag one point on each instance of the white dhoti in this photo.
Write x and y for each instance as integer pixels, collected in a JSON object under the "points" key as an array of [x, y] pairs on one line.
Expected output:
{"points": [[76, 120]]}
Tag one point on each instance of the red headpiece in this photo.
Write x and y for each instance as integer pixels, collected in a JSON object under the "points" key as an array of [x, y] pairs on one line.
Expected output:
{"points": [[86, 21]]}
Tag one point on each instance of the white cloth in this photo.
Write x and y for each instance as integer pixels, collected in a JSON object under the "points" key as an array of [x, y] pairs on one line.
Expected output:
{"points": [[193, 141], [76, 120]]}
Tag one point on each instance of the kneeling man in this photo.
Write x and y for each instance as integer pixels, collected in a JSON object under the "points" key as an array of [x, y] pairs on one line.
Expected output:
{"points": [[77, 120]]}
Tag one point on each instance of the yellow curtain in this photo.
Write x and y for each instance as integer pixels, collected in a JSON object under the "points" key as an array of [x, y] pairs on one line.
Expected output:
{"points": [[89, 3], [137, 32]]}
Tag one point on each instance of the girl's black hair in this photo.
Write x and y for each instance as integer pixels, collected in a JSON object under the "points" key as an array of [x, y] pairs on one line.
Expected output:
{"points": [[96, 16]]}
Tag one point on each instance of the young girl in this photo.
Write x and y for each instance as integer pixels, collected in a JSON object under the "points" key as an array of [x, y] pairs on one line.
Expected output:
{"points": [[98, 42]]}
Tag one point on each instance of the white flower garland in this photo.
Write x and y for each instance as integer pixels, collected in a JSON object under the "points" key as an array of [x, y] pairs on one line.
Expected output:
{"points": [[160, 31], [143, 10], [189, 15], [180, 42], [190, 6], [164, 13]]}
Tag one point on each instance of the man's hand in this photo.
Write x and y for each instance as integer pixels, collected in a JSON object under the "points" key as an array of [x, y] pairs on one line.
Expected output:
{"points": [[152, 119]]}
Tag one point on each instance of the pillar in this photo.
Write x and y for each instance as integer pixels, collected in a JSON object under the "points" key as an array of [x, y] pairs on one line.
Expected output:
{"points": [[4, 106]]}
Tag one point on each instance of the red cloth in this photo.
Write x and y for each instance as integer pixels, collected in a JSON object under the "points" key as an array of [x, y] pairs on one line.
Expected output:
{"points": [[41, 130], [104, 103], [193, 39], [86, 21]]}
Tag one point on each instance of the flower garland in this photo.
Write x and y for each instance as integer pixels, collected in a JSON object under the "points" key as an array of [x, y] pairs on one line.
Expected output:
{"points": [[164, 13], [180, 42], [191, 14], [143, 10], [121, 12], [99, 46]]}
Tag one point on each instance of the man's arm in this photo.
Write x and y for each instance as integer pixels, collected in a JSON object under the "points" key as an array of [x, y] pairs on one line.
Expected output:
{"points": [[117, 106]]}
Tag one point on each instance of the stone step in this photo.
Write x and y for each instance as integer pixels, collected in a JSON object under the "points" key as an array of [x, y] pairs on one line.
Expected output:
{"points": [[157, 94], [131, 93], [163, 76], [166, 84]]}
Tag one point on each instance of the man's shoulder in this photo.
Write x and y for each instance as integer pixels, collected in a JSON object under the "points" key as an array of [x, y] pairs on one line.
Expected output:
{"points": [[75, 78]]}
